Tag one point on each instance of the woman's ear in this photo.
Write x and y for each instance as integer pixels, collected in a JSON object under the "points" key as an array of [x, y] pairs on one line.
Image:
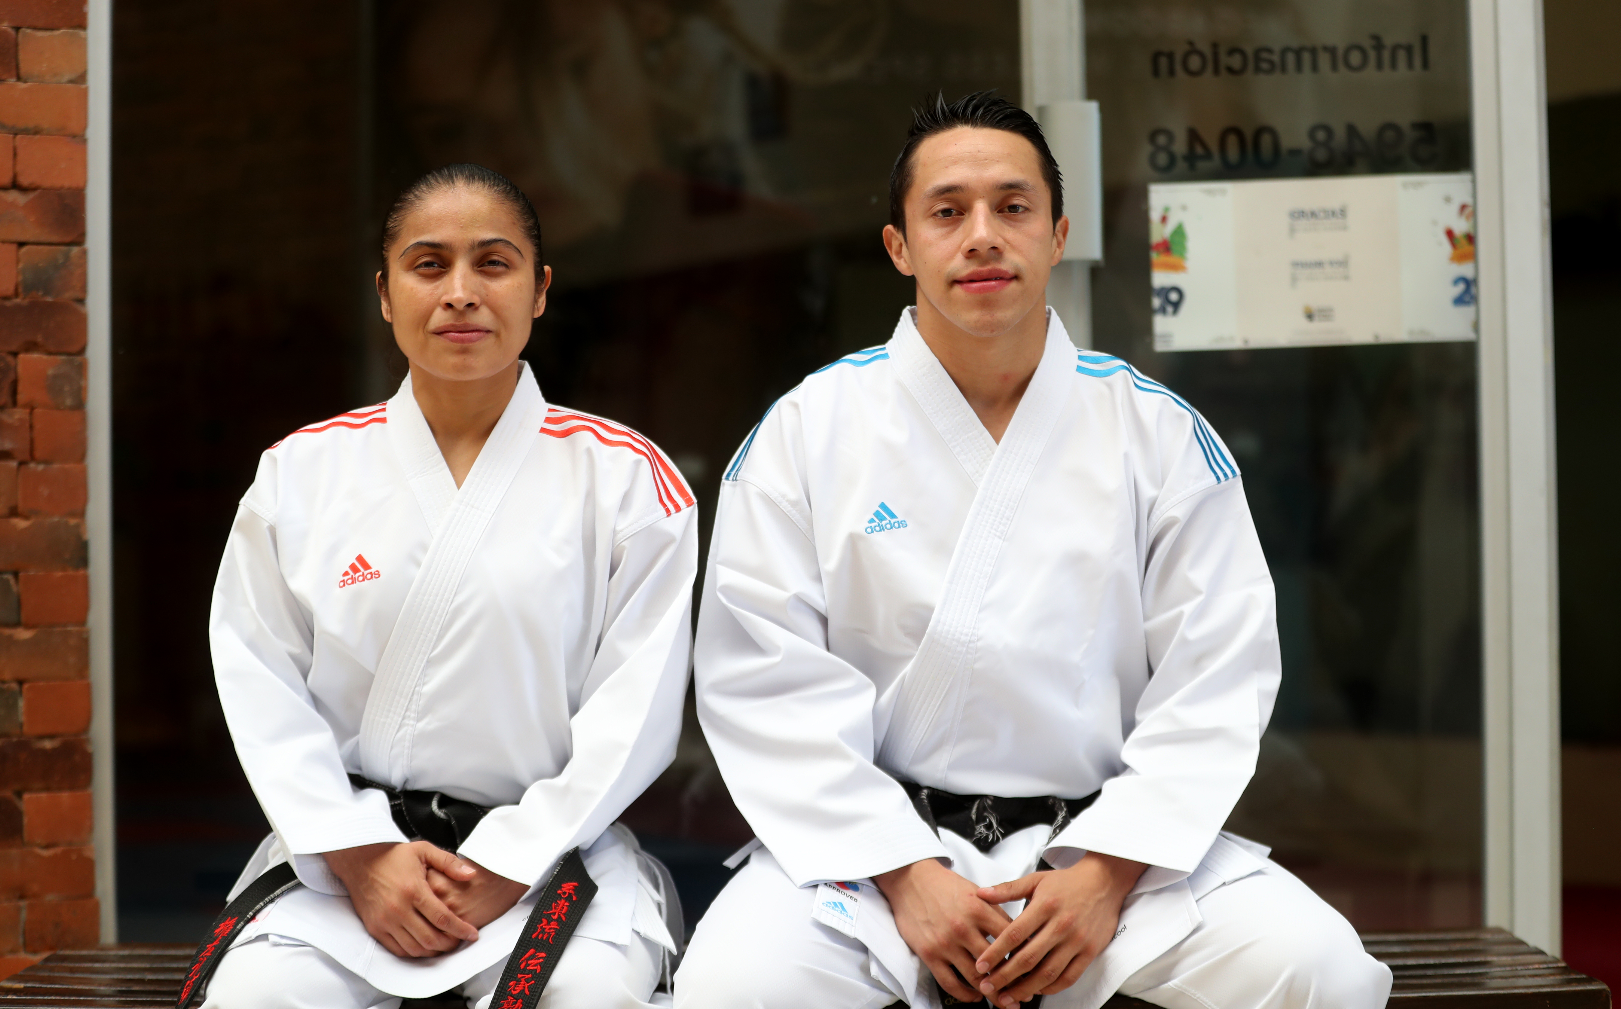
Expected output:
{"points": [[540, 294], [382, 297]]}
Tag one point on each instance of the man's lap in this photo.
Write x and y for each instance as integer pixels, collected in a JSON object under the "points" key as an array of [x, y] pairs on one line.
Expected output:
{"points": [[1266, 940]]}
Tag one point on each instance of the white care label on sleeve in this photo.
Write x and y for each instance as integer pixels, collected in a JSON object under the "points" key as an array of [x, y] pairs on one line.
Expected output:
{"points": [[837, 905]]}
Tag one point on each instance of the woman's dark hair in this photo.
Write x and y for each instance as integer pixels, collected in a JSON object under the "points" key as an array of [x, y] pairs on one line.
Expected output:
{"points": [[471, 177], [982, 109]]}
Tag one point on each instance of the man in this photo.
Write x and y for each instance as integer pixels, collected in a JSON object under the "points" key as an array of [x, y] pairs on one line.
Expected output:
{"points": [[985, 609]]}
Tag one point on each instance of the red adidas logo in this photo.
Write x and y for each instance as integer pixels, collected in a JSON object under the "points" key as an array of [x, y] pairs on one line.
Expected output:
{"points": [[358, 572]]}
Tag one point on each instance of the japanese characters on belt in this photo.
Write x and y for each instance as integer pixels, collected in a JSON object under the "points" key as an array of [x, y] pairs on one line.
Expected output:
{"points": [[520, 642]]}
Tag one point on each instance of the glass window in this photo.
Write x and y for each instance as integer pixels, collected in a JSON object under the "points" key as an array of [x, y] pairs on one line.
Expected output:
{"points": [[1359, 458]]}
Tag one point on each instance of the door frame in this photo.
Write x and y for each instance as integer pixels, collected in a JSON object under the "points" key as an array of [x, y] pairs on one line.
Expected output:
{"points": [[1518, 506]]}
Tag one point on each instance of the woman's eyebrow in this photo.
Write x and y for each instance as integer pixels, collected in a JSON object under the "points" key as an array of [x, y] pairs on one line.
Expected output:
{"points": [[422, 244], [485, 243]]}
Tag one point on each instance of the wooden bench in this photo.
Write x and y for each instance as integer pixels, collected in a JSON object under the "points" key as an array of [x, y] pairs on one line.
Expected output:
{"points": [[1475, 969]]}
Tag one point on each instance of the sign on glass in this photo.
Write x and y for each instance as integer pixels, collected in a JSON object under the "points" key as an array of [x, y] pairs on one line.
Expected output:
{"points": [[1307, 262]]}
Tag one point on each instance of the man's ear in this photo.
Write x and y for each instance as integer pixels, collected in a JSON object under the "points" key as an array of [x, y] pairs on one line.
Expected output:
{"points": [[1060, 239], [382, 297], [895, 244]]}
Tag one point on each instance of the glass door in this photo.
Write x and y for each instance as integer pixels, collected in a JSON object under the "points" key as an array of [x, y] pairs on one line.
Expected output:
{"points": [[1289, 228]]}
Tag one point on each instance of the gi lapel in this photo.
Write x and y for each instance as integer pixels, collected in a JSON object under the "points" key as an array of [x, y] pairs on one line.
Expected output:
{"points": [[923, 707], [458, 521]]}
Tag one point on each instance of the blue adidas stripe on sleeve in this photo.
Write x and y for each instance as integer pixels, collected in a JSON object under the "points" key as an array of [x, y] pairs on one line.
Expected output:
{"points": [[859, 359], [1103, 365]]}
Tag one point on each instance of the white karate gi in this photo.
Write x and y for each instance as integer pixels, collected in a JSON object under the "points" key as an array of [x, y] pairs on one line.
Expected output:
{"points": [[520, 642], [893, 594]]}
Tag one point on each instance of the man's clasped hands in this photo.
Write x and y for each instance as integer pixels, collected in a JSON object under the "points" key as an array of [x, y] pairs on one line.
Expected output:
{"points": [[976, 951]]}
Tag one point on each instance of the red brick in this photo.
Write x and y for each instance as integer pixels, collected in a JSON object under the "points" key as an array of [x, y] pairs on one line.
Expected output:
{"points": [[16, 436], [52, 57], [44, 13], [50, 872], [11, 931], [8, 486], [56, 489], [50, 162], [11, 614], [42, 215], [45, 765], [8, 384], [58, 109], [56, 709], [54, 598], [11, 709], [49, 327], [44, 653], [50, 380], [10, 965], [8, 269], [61, 924], [59, 435], [57, 817], [50, 271], [46, 543], [8, 54]]}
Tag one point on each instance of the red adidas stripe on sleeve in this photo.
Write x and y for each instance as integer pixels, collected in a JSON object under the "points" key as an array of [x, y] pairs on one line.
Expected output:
{"points": [[353, 419], [673, 494]]}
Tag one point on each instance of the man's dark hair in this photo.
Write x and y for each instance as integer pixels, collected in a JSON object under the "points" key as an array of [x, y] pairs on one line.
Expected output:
{"points": [[982, 109], [469, 177]]}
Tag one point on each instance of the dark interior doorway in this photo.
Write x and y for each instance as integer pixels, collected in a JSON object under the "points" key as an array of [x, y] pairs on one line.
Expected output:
{"points": [[711, 180]]}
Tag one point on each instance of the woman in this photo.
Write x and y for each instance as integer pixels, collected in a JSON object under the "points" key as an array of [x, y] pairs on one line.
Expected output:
{"points": [[460, 600]]}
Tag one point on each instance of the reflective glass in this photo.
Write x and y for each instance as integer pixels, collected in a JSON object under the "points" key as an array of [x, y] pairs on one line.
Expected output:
{"points": [[1359, 460]]}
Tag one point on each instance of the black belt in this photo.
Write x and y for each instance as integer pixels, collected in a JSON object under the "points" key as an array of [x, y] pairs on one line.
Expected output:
{"points": [[445, 822], [428, 816], [984, 820]]}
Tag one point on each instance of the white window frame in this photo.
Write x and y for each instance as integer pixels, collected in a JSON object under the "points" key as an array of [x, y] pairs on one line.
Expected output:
{"points": [[98, 515], [1519, 531]]}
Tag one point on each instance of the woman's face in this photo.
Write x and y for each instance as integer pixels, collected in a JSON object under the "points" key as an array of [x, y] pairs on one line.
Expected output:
{"points": [[461, 290]]}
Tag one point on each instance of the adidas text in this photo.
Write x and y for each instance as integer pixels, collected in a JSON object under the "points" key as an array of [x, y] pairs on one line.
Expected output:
{"points": [[884, 519], [359, 571]]}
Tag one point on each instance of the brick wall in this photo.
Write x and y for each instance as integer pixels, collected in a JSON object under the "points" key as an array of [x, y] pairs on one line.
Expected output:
{"points": [[46, 867]]}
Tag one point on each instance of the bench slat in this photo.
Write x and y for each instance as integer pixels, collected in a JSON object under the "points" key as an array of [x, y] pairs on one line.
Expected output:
{"points": [[1452, 969]]}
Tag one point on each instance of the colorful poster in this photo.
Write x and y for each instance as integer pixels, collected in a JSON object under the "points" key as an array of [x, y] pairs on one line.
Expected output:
{"points": [[1312, 262]]}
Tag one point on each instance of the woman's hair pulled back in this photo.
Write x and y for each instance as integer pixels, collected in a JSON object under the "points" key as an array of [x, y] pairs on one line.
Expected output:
{"points": [[466, 176]]}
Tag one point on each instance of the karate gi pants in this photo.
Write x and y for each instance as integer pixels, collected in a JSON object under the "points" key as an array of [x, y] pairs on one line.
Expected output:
{"points": [[1266, 942], [272, 972]]}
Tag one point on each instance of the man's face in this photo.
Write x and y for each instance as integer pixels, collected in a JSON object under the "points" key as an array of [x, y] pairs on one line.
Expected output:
{"points": [[980, 237]]}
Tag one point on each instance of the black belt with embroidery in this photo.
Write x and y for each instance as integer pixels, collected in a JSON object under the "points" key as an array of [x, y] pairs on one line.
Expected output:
{"points": [[445, 822], [984, 820]]}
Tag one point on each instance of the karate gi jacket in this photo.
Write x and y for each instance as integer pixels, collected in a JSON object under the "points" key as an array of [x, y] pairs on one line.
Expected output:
{"points": [[891, 593], [520, 642]]}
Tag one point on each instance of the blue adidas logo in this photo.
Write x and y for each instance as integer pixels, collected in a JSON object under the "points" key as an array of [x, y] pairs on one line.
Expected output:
{"points": [[884, 519]]}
